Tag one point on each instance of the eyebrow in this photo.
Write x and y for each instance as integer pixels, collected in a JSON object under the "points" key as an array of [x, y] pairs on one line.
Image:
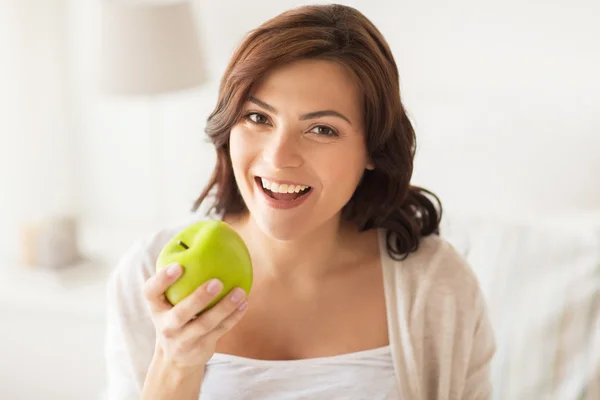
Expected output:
{"points": [[311, 115]]}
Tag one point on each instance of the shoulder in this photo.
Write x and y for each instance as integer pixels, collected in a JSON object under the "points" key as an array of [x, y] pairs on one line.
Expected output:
{"points": [[438, 320], [437, 262], [434, 278]]}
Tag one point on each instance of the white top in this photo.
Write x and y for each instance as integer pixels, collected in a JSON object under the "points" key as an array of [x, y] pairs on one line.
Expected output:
{"points": [[440, 337], [367, 375]]}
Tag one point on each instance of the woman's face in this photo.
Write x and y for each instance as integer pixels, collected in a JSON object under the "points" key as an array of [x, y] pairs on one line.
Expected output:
{"points": [[298, 152]]}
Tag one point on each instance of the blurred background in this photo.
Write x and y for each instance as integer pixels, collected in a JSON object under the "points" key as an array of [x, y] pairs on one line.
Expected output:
{"points": [[504, 97]]}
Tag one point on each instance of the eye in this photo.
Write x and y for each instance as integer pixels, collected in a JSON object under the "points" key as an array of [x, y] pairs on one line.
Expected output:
{"points": [[323, 130], [257, 118]]}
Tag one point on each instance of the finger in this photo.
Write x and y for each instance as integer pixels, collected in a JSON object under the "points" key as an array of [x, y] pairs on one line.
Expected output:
{"points": [[228, 323], [214, 319], [155, 287], [188, 308]]}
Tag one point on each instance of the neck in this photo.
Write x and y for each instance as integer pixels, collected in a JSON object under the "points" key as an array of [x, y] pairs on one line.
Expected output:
{"points": [[307, 258]]}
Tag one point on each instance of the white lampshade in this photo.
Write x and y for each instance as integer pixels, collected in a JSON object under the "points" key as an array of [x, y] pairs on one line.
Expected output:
{"points": [[149, 48]]}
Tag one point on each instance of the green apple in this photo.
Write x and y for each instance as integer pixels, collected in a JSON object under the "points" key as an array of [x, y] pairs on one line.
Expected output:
{"points": [[207, 249]]}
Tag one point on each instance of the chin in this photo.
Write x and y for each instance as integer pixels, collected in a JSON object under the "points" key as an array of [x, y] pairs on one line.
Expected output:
{"points": [[280, 228]]}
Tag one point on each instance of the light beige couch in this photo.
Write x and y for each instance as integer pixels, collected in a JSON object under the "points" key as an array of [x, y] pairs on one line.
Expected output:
{"points": [[541, 278]]}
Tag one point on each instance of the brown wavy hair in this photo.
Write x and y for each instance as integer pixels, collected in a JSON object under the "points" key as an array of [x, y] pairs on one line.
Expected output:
{"points": [[385, 197]]}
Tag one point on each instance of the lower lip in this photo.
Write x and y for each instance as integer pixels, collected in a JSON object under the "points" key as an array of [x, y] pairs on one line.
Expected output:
{"points": [[282, 204]]}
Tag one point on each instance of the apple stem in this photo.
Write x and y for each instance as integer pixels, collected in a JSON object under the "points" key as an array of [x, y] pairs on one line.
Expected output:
{"points": [[185, 246]]}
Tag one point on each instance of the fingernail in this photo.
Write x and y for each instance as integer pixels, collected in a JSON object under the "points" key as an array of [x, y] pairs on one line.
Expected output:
{"points": [[242, 306], [173, 270], [237, 295], [214, 286]]}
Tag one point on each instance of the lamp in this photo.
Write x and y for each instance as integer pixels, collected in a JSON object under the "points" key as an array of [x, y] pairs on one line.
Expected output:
{"points": [[149, 49]]}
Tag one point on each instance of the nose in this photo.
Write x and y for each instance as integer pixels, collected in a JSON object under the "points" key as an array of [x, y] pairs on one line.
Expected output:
{"points": [[282, 150]]}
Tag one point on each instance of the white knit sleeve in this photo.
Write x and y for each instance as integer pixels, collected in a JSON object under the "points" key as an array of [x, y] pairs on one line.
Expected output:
{"points": [[130, 335], [478, 384]]}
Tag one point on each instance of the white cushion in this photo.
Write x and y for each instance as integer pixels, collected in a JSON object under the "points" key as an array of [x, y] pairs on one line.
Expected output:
{"points": [[542, 283]]}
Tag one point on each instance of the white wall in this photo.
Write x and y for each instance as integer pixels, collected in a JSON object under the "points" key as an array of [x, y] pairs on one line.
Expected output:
{"points": [[503, 96], [505, 99], [37, 147]]}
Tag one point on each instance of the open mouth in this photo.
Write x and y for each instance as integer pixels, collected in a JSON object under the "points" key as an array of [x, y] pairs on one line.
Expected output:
{"points": [[282, 192]]}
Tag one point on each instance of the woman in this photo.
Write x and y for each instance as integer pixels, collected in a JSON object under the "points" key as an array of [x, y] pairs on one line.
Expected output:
{"points": [[355, 296]]}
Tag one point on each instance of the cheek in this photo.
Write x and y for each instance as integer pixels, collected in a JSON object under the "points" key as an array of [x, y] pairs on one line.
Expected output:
{"points": [[238, 149], [341, 172], [238, 160]]}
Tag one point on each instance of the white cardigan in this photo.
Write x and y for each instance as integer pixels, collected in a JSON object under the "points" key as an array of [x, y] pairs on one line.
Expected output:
{"points": [[439, 332]]}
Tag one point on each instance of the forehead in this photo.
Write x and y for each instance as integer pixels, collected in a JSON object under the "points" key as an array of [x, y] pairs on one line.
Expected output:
{"points": [[311, 85]]}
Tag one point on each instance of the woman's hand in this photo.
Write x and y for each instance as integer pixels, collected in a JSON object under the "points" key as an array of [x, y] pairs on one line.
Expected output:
{"points": [[185, 339]]}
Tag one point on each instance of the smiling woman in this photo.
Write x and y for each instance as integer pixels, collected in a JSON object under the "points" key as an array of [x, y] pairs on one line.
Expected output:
{"points": [[354, 293], [340, 74]]}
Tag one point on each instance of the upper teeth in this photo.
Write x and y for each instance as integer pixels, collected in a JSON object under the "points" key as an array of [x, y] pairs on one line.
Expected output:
{"points": [[283, 188]]}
